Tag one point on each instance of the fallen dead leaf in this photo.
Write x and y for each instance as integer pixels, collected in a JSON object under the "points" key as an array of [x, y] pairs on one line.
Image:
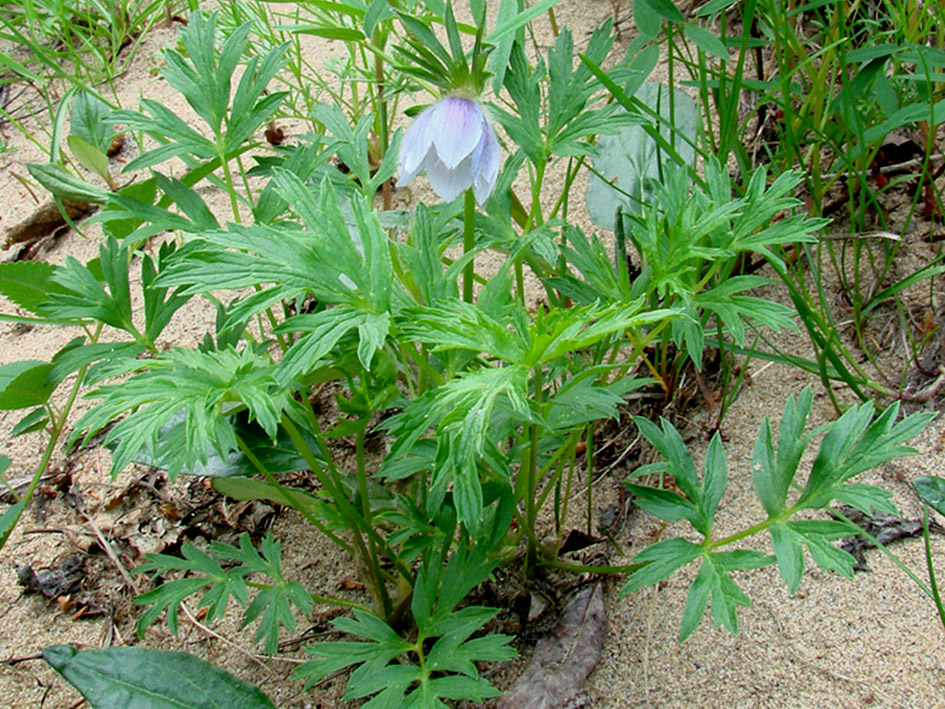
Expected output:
{"points": [[562, 659], [55, 583], [44, 221], [884, 528]]}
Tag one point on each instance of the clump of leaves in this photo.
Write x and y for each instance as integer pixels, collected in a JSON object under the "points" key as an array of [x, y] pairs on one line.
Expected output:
{"points": [[852, 444], [439, 662], [273, 601]]}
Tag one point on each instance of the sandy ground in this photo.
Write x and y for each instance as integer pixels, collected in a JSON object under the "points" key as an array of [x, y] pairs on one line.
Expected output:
{"points": [[871, 642]]}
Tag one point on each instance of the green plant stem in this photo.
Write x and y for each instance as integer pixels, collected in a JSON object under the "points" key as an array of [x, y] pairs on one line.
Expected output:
{"points": [[936, 596], [591, 569], [589, 464], [319, 598], [469, 243], [290, 499], [55, 434], [531, 473], [334, 484], [354, 522], [364, 493], [710, 545], [230, 187]]}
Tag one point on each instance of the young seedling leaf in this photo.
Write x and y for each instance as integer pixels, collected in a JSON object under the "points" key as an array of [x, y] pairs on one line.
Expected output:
{"points": [[931, 489]]}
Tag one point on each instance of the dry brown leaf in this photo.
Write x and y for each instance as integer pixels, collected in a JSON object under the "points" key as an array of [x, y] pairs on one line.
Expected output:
{"points": [[44, 221], [564, 657]]}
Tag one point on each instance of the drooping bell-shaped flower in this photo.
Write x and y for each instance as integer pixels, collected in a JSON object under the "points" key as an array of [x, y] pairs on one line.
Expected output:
{"points": [[456, 145]]}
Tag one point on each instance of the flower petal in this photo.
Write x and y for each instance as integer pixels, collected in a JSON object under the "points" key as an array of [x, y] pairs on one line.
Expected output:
{"points": [[415, 146], [456, 129], [450, 183], [486, 167]]}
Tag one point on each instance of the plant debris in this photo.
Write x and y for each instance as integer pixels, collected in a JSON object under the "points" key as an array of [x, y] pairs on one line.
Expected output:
{"points": [[562, 660], [62, 581], [46, 220], [886, 529], [578, 540]]}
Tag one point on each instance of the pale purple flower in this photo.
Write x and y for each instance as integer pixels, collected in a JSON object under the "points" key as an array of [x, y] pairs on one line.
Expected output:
{"points": [[456, 145]]}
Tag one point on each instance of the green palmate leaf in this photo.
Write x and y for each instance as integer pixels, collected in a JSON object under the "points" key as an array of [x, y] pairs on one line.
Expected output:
{"points": [[83, 296], [27, 283], [323, 331], [200, 384], [25, 384], [383, 646], [218, 586], [569, 91], [462, 411], [713, 581], [582, 401], [160, 303], [703, 496], [662, 560], [272, 603], [452, 657], [931, 489], [856, 443], [159, 121], [336, 261], [731, 308], [136, 677], [277, 456], [523, 127], [455, 324], [772, 472], [788, 537]]}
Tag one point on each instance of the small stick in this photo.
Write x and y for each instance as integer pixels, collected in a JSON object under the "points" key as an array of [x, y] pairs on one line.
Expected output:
{"points": [[213, 634], [110, 553]]}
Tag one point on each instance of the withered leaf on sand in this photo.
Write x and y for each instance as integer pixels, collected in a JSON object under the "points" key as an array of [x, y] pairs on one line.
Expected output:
{"points": [[57, 582], [44, 221], [884, 528], [564, 657]]}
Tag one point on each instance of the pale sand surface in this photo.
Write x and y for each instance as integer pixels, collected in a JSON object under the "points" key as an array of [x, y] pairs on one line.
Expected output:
{"points": [[871, 642]]}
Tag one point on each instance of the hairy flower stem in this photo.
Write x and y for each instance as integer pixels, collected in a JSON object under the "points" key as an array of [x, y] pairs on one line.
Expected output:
{"points": [[381, 111], [469, 243]]}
